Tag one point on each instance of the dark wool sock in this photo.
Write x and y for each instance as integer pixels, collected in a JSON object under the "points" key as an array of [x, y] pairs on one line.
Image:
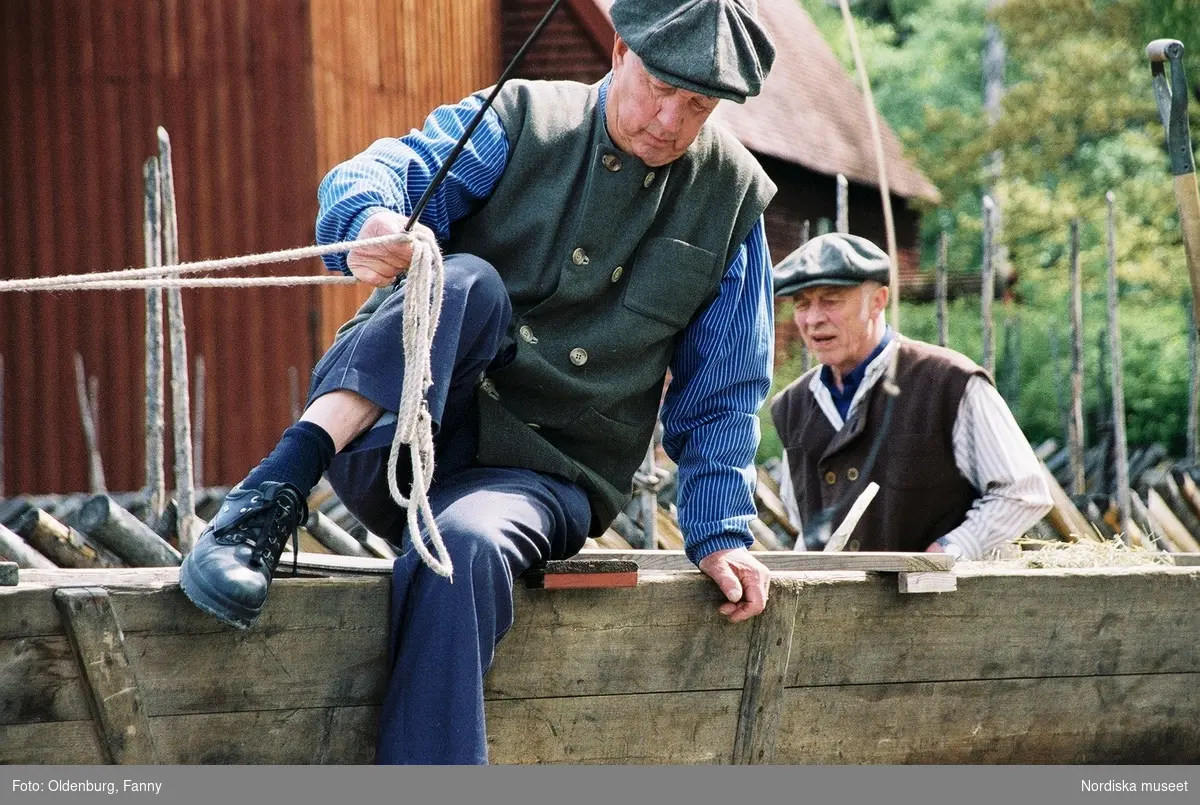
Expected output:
{"points": [[300, 459]]}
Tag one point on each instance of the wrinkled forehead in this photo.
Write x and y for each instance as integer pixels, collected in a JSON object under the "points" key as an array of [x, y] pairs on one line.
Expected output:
{"points": [[828, 293]]}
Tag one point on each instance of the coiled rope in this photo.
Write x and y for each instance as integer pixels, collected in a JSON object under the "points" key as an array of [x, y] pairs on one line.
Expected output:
{"points": [[424, 284]]}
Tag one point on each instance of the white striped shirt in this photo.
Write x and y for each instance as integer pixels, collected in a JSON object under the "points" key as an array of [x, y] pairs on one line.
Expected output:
{"points": [[990, 451]]}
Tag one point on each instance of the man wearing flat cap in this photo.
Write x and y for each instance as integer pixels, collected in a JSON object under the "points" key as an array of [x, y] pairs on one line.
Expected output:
{"points": [[955, 473], [596, 237]]}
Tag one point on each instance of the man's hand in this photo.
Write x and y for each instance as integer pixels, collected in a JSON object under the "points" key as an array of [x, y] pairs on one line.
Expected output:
{"points": [[742, 578], [380, 265], [935, 548]]}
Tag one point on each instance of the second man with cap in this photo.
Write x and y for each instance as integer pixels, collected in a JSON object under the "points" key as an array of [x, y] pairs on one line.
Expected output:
{"points": [[955, 472]]}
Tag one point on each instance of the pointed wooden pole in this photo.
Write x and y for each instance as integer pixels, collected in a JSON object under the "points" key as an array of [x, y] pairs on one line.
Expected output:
{"points": [[1193, 418], [185, 489], [1121, 456], [156, 478], [987, 289], [200, 415], [1075, 433], [95, 465], [940, 291]]}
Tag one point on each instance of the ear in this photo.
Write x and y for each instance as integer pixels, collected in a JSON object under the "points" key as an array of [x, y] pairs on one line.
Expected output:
{"points": [[619, 51], [879, 300]]}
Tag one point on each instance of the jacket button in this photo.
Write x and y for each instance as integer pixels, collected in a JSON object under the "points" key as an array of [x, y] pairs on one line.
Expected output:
{"points": [[831, 477], [579, 356], [852, 474], [853, 545], [649, 180], [527, 335], [611, 162], [579, 257], [617, 272]]}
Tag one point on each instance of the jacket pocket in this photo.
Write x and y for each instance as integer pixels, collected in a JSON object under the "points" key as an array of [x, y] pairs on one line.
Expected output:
{"points": [[669, 280]]}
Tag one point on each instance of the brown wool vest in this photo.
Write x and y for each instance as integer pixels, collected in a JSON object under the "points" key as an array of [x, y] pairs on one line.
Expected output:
{"points": [[922, 495]]}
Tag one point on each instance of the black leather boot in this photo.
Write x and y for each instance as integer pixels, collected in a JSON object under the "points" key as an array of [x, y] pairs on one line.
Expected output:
{"points": [[229, 571]]}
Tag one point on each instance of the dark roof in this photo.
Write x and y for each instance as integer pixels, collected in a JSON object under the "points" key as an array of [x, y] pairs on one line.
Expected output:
{"points": [[810, 112]]}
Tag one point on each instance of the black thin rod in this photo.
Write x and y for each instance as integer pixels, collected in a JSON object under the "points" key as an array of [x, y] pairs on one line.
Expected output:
{"points": [[466, 135]]}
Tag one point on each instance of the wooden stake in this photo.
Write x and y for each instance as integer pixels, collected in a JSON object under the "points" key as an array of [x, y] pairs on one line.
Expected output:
{"points": [[940, 289], [805, 227], [156, 480], [201, 416], [95, 465], [14, 548], [1075, 432], [1118, 382], [1193, 419], [185, 489], [62, 544], [93, 386], [987, 289], [843, 205]]}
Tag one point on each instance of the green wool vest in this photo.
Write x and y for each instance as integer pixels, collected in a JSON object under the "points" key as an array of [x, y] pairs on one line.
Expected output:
{"points": [[606, 261]]}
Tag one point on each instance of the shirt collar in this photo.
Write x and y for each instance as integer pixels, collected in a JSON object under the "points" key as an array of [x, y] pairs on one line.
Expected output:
{"points": [[854, 377]]}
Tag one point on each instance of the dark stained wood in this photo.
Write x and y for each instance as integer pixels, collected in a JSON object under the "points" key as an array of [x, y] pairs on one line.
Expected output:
{"points": [[112, 685]]}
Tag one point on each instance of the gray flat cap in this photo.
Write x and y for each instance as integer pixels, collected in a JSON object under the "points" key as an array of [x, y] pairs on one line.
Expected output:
{"points": [[831, 259], [717, 48]]}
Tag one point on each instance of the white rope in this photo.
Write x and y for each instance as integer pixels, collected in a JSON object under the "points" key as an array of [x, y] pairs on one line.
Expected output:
{"points": [[80, 281], [424, 284], [150, 283]]}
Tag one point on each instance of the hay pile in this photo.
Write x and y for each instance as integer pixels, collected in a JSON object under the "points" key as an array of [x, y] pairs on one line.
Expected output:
{"points": [[1037, 553]]}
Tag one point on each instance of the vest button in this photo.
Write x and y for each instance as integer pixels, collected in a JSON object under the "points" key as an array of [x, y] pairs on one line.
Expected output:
{"points": [[649, 180], [831, 477], [611, 162], [579, 257], [852, 474], [617, 272], [579, 356], [526, 333], [852, 545]]}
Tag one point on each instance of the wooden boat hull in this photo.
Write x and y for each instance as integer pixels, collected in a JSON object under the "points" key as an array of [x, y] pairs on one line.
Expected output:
{"points": [[1027, 666]]}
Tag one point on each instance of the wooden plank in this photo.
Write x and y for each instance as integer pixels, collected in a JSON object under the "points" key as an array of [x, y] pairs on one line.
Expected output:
{"points": [[103, 577], [691, 727], [585, 581], [1186, 559], [766, 667], [581, 574], [51, 743], [1019, 624], [40, 681], [1142, 718], [666, 635], [802, 561], [927, 582], [115, 698]]}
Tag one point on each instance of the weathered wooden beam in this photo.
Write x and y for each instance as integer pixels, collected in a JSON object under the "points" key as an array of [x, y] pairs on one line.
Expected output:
{"points": [[795, 561], [8, 574], [576, 574], [18, 550], [762, 700], [1121, 444], [128, 537], [926, 582], [62, 544], [115, 699]]}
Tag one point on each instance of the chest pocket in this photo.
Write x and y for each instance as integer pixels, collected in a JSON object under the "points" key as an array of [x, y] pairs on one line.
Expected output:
{"points": [[669, 280]]}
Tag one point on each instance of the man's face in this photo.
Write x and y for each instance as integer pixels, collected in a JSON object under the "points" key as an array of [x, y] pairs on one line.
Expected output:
{"points": [[648, 118], [839, 323]]}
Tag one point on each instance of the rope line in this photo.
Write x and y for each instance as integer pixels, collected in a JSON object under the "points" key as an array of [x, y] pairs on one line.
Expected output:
{"points": [[65, 282]]}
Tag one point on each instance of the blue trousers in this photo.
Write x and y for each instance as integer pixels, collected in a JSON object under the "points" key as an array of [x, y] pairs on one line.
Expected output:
{"points": [[496, 521]]}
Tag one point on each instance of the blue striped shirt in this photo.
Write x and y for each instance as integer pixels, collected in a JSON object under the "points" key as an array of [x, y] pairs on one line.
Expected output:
{"points": [[721, 369]]}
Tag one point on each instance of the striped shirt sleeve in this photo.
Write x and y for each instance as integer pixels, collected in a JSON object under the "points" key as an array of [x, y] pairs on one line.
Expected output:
{"points": [[993, 454], [393, 173], [720, 377]]}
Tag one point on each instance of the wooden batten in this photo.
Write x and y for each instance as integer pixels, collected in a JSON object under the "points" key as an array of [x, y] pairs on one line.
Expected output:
{"points": [[1178, 533], [63, 545], [125, 535], [114, 696]]}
